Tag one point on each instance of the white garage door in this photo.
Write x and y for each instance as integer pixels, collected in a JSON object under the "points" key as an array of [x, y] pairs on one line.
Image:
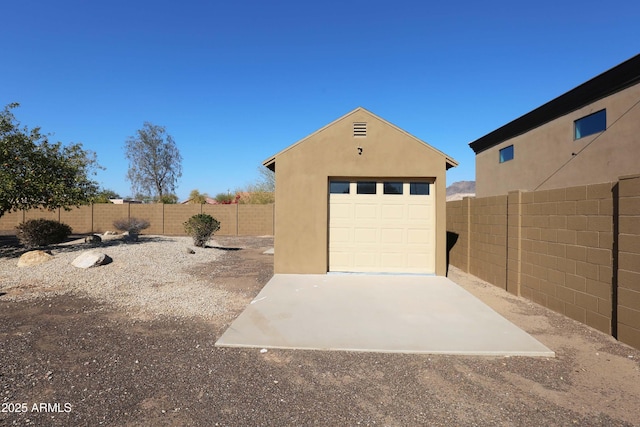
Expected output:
{"points": [[382, 226]]}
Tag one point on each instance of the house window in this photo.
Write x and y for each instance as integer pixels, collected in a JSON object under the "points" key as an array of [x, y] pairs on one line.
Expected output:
{"points": [[506, 154], [588, 125], [419, 188], [366, 187], [339, 187], [392, 188]]}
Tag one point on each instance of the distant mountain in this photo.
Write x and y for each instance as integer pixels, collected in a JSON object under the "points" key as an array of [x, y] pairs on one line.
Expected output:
{"points": [[461, 189]]}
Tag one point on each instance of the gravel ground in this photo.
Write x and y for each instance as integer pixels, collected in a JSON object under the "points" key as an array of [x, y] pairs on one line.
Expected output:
{"points": [[147, 278], [132, 344]]}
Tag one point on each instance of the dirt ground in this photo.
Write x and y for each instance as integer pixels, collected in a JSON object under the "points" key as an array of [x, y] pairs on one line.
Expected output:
{"points": [[72, 361]]}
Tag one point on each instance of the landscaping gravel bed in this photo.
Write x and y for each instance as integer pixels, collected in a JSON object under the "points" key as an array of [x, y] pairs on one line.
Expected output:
{"points": [[146, 277]]}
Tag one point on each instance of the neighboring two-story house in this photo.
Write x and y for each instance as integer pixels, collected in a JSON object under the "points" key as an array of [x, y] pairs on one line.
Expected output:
{"points": [[590, 134]]}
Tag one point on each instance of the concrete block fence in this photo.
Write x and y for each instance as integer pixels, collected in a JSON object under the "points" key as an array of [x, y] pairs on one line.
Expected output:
{"points": [[574, 250], [235, 220]]}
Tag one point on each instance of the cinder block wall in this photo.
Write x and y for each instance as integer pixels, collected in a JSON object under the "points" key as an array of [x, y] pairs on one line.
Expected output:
{"points": [[628, 292], [9, 221], [488, 232], [176, 215], [154, 213], [104, 214], [42, 213], [256, 220], [81, 218], [567, 239], [574, 250], [227, 215], [458, 233]]}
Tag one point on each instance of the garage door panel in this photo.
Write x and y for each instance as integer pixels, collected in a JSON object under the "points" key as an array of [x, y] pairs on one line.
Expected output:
{"points": [[393, 260], [341, 235], [419, 212], [392, 235], [365, 260], [393, 212], [366, 211], [419, 260], [418, 235], [341, 260], [342, 211], [365, 235]]}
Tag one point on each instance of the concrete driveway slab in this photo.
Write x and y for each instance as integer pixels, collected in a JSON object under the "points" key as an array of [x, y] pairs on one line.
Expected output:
{"points": [[377, 313]]}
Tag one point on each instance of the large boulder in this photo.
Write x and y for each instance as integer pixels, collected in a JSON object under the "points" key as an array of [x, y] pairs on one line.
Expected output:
{"points": [[90, 259], [31, 258]]}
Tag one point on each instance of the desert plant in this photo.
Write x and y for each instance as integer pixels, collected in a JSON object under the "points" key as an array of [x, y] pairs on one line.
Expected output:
{"points": [[131, 226], [225, 199], [201, 227], [42, 232]]}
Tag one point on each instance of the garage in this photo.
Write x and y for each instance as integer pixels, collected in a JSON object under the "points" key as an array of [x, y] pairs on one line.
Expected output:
{"points": [[360, 195], [382, 226]]}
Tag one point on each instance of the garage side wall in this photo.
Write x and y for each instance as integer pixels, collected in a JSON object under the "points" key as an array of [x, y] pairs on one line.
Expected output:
{"points": [[302, 176]]}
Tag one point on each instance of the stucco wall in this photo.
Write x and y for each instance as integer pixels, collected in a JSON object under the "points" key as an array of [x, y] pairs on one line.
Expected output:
{"points": [[544, 159], [302, 175]]}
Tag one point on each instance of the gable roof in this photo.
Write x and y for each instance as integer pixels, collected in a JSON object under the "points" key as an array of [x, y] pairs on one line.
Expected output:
{"points": [[271, 161], [614, 80]]}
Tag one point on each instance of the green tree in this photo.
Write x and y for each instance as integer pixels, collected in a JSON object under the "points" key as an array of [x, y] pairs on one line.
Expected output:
{"points": [[104, 196], [38, 173], [155, 163], [196, 197], [167, 199]]}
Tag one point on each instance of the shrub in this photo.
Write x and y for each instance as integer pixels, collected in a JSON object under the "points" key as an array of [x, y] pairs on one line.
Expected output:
{"points": [[133, 226], [201, 227], [42, 232]]}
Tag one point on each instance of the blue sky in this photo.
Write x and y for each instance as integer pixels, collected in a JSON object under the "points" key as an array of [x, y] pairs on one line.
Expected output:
{"points": [[235, 82]]}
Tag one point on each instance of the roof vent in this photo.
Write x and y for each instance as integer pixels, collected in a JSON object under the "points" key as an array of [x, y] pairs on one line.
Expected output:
{"points": [[360, 129]]}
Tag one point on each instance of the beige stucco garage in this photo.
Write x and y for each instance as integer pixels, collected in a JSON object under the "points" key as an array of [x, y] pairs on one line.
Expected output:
{"points": [[360, 195]]}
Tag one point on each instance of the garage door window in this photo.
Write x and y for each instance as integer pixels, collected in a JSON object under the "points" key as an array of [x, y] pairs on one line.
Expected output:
{"points": [[419, 188], [366, 187], [339, 187], [392, 188]]}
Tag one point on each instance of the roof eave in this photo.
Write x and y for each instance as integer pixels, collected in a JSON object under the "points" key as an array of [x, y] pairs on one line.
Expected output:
{"points": [[618, 78]]}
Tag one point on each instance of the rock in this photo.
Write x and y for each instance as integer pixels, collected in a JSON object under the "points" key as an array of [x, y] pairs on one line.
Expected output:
{"points": [[93, 239], [190, 251], [90, 259], [31, 258]]}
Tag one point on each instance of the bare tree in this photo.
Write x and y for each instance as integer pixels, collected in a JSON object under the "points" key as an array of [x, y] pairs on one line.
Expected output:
{"points": [[262, 191], [267, 180], [155, 163]]}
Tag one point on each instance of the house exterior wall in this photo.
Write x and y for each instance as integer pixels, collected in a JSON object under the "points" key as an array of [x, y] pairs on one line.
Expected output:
{"points": [[302, 177], [543, 157]]}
